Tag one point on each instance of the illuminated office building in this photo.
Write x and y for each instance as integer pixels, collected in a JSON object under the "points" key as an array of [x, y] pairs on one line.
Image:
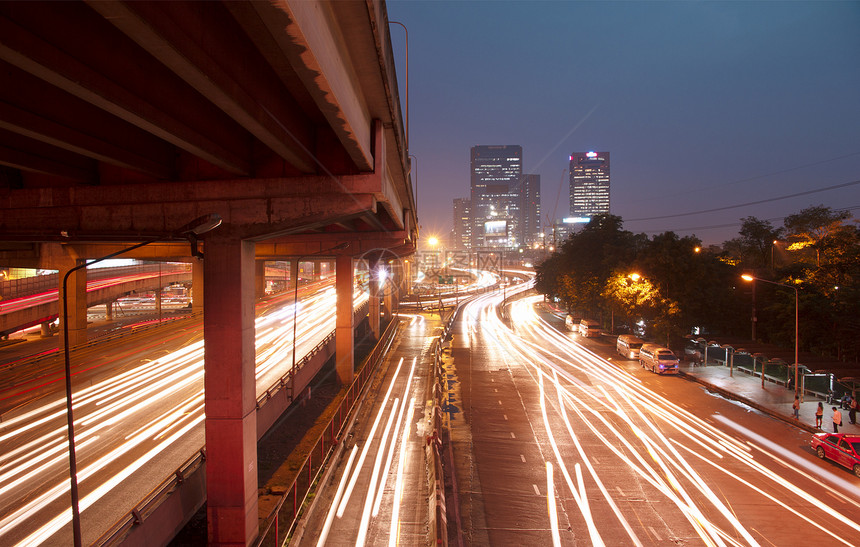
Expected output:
{"points": [[589, 184], [530, 210], [496, 175], [462, 233]]}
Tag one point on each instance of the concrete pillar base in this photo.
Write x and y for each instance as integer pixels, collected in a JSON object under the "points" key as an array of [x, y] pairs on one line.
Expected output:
{"points": [[344, 345], [229, 387]]}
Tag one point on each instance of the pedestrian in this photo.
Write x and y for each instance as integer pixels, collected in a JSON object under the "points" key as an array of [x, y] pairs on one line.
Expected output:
{"points": [[796, 407], [837, 419], [819, 414], [852, 409]]}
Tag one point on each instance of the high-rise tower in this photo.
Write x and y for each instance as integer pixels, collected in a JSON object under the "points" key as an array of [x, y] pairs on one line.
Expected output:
{"points": [[589, 184], [496, 173], [462, 232], [530, 209]]}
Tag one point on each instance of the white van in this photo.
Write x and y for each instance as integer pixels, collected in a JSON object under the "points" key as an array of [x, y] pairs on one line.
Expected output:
{"points": [[589, 328], [628, 346], [658, 359], [571, 323]]}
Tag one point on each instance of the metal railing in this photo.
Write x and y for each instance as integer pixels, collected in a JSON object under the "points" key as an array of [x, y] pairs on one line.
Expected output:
{"points": [[281, 521], [116, 533]]}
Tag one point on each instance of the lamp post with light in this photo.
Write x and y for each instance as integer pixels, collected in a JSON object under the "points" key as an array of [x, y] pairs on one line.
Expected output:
{"points": [[190, 232], [747, 277]]}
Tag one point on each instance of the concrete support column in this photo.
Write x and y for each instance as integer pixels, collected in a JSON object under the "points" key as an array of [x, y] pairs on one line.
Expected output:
{"points": [[294, 273], [46, 330], [77, 304], [230, 403], [397, 285], [388, 304], [158, 295], [109, 310], [373, 301], [344, 347], [317, 270], [259, 278], [197, 285], [406, 283]]}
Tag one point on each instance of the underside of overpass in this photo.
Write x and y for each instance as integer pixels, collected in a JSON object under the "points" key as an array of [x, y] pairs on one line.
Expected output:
{"points": [[120, 122]]}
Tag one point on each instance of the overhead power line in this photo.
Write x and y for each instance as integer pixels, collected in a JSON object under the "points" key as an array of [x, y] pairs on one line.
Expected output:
{"points": [[729, 225], [747, 204]]}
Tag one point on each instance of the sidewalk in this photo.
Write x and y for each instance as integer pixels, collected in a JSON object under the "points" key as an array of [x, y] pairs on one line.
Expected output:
{"points": [[773, 399]]}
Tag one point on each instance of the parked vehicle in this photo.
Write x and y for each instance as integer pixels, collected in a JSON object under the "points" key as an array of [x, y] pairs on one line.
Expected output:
{"points": [[572, 323], [589, 328], [842, 448], [628, 346], [658, 359]]}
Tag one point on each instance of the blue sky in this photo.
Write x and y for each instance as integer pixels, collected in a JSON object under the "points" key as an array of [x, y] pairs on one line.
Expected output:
{"points": [[702, 105]]}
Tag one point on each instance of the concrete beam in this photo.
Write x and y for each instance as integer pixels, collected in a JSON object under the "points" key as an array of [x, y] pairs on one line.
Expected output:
{"points": [[30, 53], [258, 209], [304, 33], [190, 61]]}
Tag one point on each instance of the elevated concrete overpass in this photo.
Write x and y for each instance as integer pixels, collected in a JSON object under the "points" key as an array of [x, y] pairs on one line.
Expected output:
{"points": [[122, 121], [43, 307]]}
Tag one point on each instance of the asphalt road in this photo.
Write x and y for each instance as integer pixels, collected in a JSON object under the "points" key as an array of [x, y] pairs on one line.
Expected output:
{"points": [[376, 491], [554, 443], [138, 404]]}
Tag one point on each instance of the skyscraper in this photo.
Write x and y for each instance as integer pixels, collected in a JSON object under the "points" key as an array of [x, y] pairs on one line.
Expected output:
{"points": [[589, 184], [496, 173], [530, 209], [462, 236]]}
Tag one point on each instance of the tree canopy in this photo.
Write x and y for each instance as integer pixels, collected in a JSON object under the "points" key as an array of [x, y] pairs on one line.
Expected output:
{"points": [[670, 285]]}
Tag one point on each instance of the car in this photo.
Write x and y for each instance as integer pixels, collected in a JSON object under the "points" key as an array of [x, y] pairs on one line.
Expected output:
{"points": [[842, 448]]}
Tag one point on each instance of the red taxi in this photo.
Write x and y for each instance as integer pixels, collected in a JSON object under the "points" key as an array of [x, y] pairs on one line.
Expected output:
{"points": [[842, 448]]}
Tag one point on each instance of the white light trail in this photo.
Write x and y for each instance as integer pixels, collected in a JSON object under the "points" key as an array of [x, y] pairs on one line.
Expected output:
{"points": [[337, 496], [342, 506], [550, 503], [398, 486], [394, 439]]}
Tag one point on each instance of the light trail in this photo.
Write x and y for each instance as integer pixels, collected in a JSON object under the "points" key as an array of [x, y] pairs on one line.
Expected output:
{"points": [[550, 503], [648, 434], [161, 398], [394, 530]]}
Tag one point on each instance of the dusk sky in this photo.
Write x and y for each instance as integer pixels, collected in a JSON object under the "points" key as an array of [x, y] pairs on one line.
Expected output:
{"points": [[702, 105]]}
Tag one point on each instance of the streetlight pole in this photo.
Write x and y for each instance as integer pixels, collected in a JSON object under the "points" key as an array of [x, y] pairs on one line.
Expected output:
{"points": [[190, 231], [797, 391], [296, 305]]}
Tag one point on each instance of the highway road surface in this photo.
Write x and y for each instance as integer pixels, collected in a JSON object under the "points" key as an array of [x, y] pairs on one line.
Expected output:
{"points": [[138, 405], [557, 441]]}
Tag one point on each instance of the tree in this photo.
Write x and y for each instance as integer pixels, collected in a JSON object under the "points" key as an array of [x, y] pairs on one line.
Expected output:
{"points": [[754, 246], [814, 227]]}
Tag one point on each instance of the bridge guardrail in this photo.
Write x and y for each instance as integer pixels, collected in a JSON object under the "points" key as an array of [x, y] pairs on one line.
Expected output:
{"points": [[437, 441], [283, 522], [116, 533]]}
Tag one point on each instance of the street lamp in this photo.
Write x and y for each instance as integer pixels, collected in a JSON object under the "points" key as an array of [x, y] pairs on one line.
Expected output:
{"points": [[190, 232], [338, 247], [747, 277]]}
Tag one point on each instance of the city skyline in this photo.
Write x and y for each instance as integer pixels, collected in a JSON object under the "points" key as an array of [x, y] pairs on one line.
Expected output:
{"points": [[704, 106]]}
